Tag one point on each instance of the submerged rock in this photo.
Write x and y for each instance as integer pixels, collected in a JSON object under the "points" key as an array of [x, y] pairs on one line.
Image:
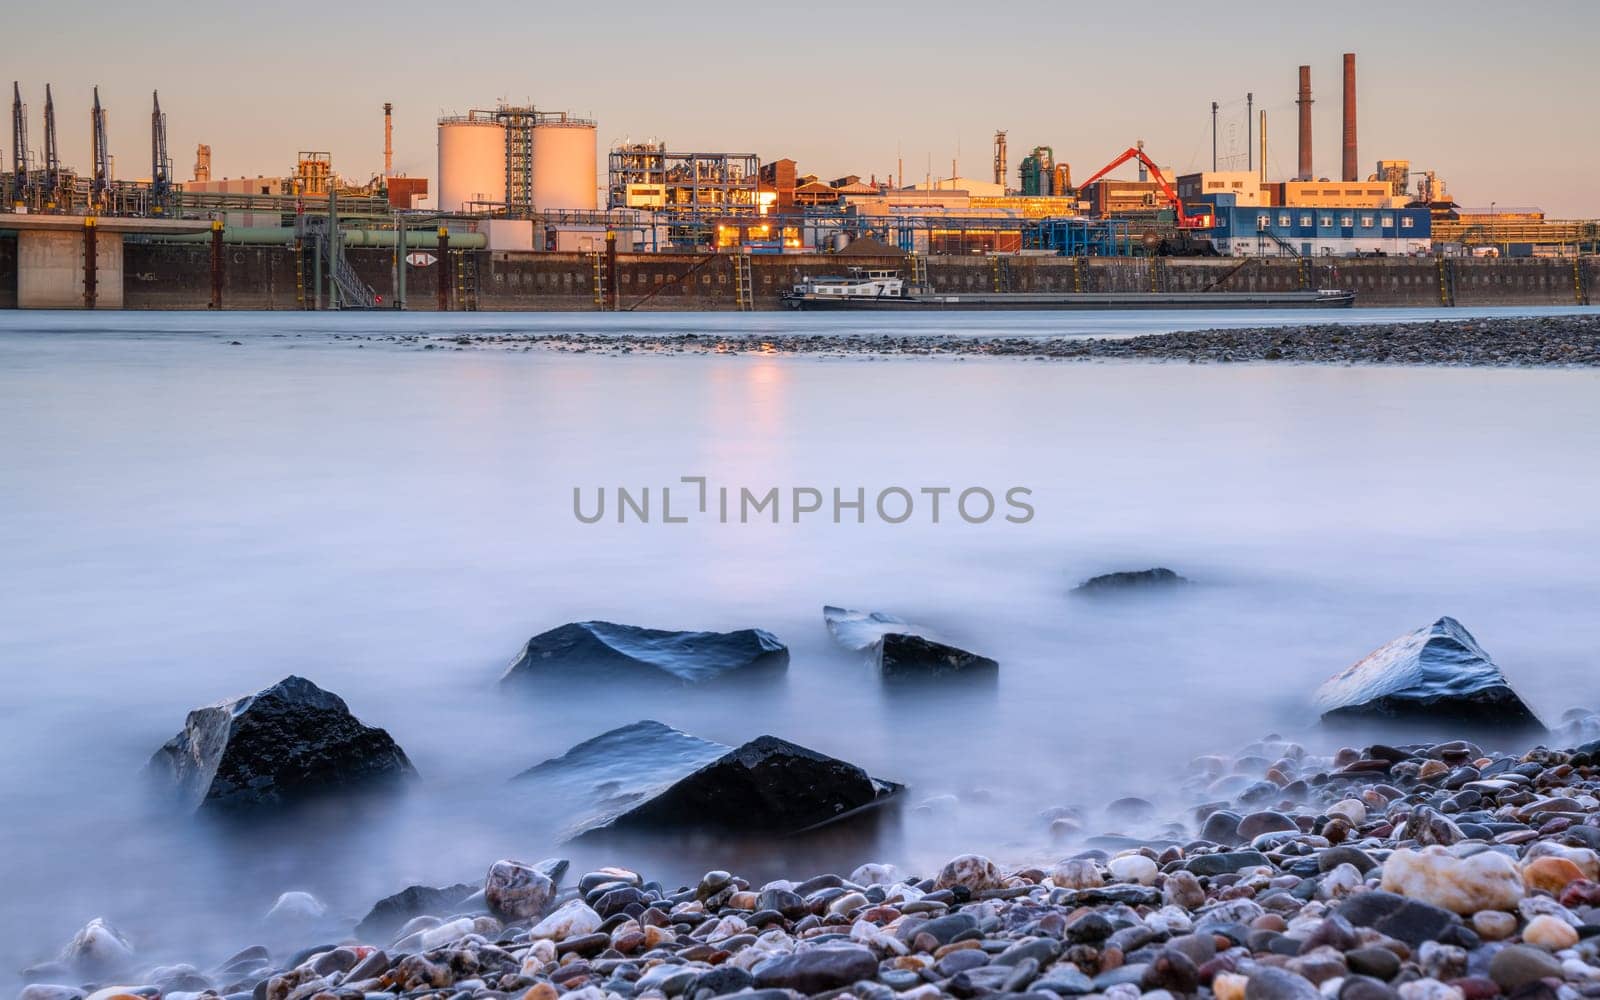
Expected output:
{"points": [[1157, 578], [605, 776], [97, 950], [603, 650], [901, 650], [768, 785], [1438, 673], [390, 912], [283, 745]]}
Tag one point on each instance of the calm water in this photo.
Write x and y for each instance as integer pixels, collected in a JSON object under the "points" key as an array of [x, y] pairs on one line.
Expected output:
{"points": [[183, 520]]}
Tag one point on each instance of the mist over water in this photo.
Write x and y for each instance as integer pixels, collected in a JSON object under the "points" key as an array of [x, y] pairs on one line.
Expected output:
{"points": [[184, 521]]}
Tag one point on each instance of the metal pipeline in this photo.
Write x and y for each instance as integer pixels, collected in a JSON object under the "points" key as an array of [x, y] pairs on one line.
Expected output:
{"points": [[416, 239]]}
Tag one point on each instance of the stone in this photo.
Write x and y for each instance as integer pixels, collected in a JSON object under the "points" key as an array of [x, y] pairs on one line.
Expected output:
{"points": [[1229, 986], [1221, 864], [1379, 963], [817, 969], [1517, 965], [603, 777], [1550, 874], [767, 786], [1135, 868], [296, 908], [1183, 889], [1585, 859], [971, 871], [1157, 578], [574, 918], [1408, 920], [97, 950], [50, 991], [875, 874], [1077, 873], [1484, 881], [388, 913], [284, 745], [1550, 933], [1266, 821], [1353, 810], [517, 891], [1267, 983], [1494, 925], [604, 651], [899, 657], [1435, 674]]}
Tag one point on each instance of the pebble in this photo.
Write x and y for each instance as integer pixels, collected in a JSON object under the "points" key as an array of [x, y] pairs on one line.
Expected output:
{"points": [[517, 891], [1550, 933], [1484, 881], [1134, 868], [973, 872]]}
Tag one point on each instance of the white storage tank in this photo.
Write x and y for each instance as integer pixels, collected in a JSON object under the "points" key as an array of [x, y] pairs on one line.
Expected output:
{"points": [[564, 173], [472, 162]]}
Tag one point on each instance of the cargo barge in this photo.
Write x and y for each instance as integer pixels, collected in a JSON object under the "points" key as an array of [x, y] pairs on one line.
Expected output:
{"points": [[872, 289]]}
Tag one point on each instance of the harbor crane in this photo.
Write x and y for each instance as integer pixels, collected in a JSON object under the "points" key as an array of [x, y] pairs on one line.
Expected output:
{"points": [[52, 154], [1201, 219], [160, 162], [100, 190], [19, 146]]}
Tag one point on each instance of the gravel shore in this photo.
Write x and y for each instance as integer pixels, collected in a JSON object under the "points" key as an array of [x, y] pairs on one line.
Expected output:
{"points": [[1438, 871], [1560, 341]]}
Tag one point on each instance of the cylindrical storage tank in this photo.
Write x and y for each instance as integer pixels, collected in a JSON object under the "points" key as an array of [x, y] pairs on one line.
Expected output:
{"points": [[564, 173], [472, 162]]}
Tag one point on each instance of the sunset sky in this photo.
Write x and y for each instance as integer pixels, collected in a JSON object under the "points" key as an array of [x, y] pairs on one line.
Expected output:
{"points": [[1495, 97]]}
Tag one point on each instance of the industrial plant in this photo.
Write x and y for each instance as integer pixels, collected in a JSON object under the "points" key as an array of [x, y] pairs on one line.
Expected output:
{"points": [[517, 184]]}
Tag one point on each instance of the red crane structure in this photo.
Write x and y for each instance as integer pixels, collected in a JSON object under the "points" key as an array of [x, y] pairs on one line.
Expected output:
{"points": [[1201, 219]]}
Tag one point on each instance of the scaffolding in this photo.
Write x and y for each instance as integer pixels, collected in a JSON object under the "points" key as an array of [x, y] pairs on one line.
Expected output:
{"points": [[692, 185], [1078, 237]]}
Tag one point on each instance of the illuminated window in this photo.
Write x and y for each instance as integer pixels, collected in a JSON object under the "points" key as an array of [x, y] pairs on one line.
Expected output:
{"points": [[1405, 223], [1388, 220], [1305, 220], [1263, 221], [1347, 221], [1283, 220], [1327, 220], [1366, 221]]}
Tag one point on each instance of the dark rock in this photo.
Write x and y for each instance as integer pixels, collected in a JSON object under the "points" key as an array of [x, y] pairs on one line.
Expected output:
{"points": [[1517, 965], [1041, 950], [1221, 827], [1172, 970], [910, 657], [606, 776], [791, 904], [766, 786], [1408, 920], [286, 744], [590, 651], [813, 970], [901, 650], [1220, 864], [1365, 988], [1379, 963], [1066, 982], [1436, 674], [1145, 579], [947, 928], [724, 979], [960, 961], [391, 912], [1332, 857], [1091, 928], [1257, 823]]}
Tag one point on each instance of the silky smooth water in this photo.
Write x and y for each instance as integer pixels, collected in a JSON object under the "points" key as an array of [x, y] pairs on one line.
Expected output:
{"points": [[184, 520]]}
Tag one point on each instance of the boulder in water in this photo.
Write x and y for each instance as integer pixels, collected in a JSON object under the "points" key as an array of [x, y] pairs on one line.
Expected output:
{"points": [[605, 776], [1157, 578], [766, 786], [900, 650], [1438, 673], [586, 651], [281, 746], [389, 913]]}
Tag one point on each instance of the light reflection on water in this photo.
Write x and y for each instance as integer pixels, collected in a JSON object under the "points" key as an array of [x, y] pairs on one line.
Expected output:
{"points": [[185, 521]]}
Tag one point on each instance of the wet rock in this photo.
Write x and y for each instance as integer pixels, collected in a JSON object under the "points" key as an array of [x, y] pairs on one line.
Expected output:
{"points": [[49, 991], [1220, 864], [517, 891], [816, 969], [1158, 578], [1379, 963], [388, 913], [604, 651], [97, 950], [1436, 674], [573, 918], [1550, 933], [281, 746], [912, 657], [606, 776], [1484, 881], [1408, 920], [768, 785]]}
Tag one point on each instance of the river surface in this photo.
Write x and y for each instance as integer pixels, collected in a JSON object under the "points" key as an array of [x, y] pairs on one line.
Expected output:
{"points": [[184, 520]]}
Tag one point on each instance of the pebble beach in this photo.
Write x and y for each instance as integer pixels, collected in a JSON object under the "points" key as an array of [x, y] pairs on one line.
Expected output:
{"points": [[1547, 341], [1438, 871]]}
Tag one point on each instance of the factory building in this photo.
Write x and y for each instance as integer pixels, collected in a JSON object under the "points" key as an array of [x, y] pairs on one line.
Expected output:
{"points": [[1305, 231], [649, 176], [1244, 185]]}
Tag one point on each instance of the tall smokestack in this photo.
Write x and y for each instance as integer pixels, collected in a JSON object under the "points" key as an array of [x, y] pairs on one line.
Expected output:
{"points": [[1350, 168], [388, 139], [1305, 124]]}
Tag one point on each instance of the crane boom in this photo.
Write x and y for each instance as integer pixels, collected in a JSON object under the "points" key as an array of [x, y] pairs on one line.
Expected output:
{"points": [[1199, 220], [101, 191], [19, 143], [52, 154]]}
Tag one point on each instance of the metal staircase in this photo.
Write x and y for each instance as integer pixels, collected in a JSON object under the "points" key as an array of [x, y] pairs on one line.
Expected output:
{"points": [[351, 291], [743, 285], [599, 264], [919, 272]]}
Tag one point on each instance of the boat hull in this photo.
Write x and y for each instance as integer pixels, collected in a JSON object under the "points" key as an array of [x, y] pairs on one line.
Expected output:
{"points": [[1078, 300]]}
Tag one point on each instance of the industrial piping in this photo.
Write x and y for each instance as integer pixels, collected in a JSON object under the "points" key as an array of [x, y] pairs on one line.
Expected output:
{"points": [[1304, 102], [1351, 169]]}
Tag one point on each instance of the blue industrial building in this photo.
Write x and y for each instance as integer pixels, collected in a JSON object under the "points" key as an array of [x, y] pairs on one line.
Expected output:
{"points": [[1312, 231]]}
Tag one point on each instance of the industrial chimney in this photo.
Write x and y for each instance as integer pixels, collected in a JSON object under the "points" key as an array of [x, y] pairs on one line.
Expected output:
{"points": [[1304, 102], [388, 139], [1351, 170]]}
